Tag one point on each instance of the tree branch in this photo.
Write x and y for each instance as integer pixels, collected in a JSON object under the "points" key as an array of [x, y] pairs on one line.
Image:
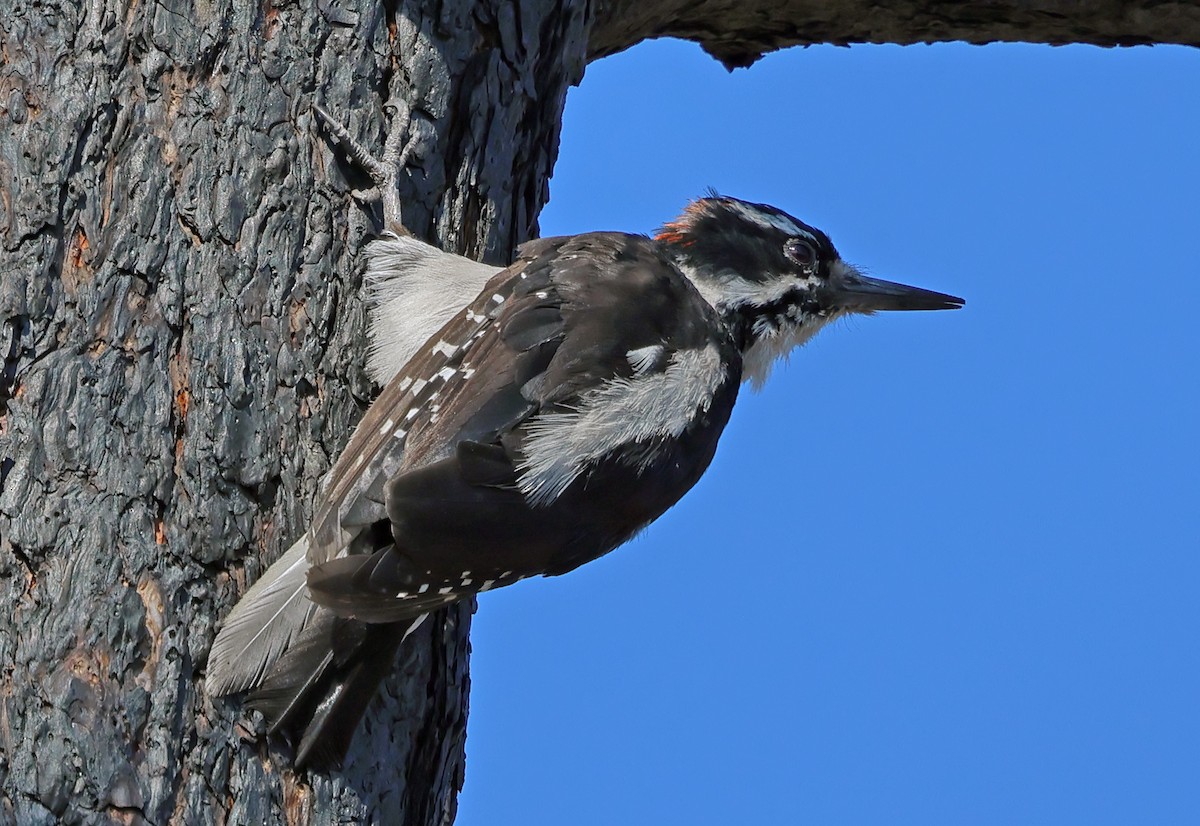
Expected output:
{"points": [[738, 33]]}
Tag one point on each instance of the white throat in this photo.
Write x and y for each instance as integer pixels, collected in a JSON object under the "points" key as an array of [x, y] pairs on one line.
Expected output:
{"points": [[775, 346]]}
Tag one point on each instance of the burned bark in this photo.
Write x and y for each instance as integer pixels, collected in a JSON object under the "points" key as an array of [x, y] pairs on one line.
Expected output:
{"points": [[182, 342], [738, 33]]}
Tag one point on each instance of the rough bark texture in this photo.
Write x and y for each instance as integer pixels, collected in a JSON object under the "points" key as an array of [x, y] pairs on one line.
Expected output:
{"points": [[739, 32], [182, 349], [181, 335]]}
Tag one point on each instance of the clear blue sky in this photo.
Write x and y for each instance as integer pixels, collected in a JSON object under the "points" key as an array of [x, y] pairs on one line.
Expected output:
{"points": [[946, 567]]}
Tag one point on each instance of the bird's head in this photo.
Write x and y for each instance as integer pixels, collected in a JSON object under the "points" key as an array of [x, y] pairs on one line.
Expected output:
{"points": [[775, 280]]}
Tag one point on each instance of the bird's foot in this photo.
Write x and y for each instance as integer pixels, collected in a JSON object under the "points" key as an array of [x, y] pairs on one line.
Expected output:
{"points": [[385, 172]]}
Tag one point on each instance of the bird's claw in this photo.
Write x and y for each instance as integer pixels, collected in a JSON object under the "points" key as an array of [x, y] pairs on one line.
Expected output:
{"points": [[398, 149]]}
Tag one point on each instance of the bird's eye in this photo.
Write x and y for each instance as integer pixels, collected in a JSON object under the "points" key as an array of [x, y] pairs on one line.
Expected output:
{"points": [[801, 252]]}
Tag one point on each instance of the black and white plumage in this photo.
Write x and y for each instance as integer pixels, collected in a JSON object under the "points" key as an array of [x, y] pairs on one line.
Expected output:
{"points": [[554, 409]]}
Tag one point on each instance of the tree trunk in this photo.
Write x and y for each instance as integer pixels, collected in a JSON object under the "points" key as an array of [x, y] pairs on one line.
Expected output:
{"points": [[182, 343], [181, 340]]}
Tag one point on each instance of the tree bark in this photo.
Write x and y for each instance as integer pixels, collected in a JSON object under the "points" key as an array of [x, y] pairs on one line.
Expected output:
{"points": [[181, 340], [182, 343], [739, 32]]}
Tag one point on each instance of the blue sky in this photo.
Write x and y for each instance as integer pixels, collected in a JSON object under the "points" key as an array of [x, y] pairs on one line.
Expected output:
{"points": [[946, 566]]}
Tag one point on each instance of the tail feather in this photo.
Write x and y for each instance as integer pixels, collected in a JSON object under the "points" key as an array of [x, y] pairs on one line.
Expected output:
{"points": [[313, 672], [319, 690], [294, 678], [264, 624]]}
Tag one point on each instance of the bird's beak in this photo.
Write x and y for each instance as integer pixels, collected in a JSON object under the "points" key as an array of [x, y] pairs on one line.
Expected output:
{"points": [[857, 293]]}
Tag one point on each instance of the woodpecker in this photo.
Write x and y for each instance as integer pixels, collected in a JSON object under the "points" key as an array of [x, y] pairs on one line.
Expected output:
{"points": [[532, 419]]}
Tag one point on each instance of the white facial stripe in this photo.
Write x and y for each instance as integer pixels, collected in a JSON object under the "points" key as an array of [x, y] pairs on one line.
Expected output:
{"points": [[771, 220], [773, 344], [759, 294], [731, 290], [620, 412]]}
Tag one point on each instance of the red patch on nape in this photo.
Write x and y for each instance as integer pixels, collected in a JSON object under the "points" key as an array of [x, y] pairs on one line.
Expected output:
{"points": [[679, 230], [673, 233]]}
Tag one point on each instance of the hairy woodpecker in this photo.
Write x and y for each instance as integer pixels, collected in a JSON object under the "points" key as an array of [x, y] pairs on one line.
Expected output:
{"points": [[532, 419]]}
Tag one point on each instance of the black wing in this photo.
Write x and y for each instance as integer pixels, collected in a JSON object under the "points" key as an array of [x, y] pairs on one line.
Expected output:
{"points": [[570, 320]]}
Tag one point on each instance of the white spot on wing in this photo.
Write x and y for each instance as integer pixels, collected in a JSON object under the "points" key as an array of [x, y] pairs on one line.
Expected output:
{"points": [[445, 348], [644, 359]]}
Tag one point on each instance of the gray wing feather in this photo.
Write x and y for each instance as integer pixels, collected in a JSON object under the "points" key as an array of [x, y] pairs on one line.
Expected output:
{"points": [[262, 625]]}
